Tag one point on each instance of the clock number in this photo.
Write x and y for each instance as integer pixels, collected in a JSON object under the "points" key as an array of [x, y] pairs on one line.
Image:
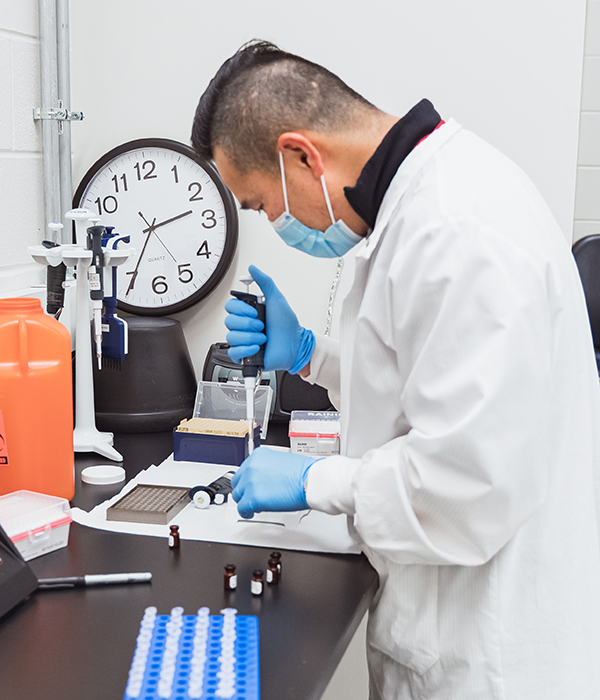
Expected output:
{"points": [[109, 204], [189, 275], [174, 171], [159, 286], [116, 179], [203, 250], [209, 214], [134, 274], [149, 175], [196, 196]]}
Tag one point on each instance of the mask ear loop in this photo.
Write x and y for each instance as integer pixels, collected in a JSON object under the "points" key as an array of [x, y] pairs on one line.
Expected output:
{"points": [[283, 185], [327, 200]]}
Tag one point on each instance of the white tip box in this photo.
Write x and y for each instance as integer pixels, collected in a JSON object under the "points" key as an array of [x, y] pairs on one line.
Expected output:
{"points": [[315, 433], [35, 522]]}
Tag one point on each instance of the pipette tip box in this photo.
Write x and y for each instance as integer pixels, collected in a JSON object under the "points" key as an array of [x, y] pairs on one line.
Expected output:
{"points": [[211, 448], [35, 522], [315, 433]]}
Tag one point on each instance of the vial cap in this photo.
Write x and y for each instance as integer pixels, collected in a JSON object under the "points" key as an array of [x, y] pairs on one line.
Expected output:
{"points": [[103, 474], [258, 572]]}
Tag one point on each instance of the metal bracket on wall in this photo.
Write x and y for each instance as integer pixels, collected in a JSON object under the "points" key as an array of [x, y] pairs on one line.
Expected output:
{"points": [[59, 113]]}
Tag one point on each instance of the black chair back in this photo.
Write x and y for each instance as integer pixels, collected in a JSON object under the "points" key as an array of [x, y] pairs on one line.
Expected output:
{"points": [[587, 256]]}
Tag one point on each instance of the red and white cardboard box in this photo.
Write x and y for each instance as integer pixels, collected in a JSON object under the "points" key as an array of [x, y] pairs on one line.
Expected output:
{"points": [[315, 433]]}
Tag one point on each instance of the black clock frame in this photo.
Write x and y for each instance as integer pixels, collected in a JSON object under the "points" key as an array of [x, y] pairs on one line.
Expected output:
{"points": [[231, 219]]}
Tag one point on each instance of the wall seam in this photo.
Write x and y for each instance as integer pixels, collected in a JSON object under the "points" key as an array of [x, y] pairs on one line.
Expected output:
{"points": [[5, 153], [14, 34]]}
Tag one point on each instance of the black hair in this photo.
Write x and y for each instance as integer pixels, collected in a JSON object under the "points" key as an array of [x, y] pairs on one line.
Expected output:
{"points": [[260, 93]]}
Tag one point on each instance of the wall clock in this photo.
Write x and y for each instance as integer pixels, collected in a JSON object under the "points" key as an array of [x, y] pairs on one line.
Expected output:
{"points": [[181, 217]]}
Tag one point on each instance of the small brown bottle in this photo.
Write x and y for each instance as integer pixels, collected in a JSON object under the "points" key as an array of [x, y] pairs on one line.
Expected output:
{"points": [[272, 574], [277, 557], [258, 582], [174, 540], [230, 577]]}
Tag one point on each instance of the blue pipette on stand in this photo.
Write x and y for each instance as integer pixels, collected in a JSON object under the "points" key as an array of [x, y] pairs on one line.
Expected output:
{"points": [[114, 329]]}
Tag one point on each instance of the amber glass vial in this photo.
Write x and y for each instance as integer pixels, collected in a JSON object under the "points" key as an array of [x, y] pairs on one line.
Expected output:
{"points": [[230, 577], [258, 582], [277, 557], [272, 574], [174, 540]]}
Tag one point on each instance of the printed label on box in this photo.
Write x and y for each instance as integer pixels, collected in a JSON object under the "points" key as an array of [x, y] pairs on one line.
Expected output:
{"points": [[3, 445]]}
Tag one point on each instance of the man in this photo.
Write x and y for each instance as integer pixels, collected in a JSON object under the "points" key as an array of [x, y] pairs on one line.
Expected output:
{"points": [[464, 373]]}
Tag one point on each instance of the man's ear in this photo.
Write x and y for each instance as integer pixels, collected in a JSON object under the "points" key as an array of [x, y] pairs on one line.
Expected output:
{"points": [[299, 151]]}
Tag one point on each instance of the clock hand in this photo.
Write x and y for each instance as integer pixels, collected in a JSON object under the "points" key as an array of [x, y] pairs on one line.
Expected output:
{"points": [[164, 246], [146, 220], [135, 271], [152, 227], [168, 221]]}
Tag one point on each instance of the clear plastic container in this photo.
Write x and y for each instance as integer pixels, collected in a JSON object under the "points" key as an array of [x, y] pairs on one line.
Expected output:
{"points": [[227, 401], [35, 522]]}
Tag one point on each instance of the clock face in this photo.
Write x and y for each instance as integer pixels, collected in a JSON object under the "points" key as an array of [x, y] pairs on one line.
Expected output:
{"points": [[180, 216]]}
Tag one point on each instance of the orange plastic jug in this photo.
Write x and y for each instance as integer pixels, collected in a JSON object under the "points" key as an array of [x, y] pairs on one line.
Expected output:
{"points": [[36, 401]]}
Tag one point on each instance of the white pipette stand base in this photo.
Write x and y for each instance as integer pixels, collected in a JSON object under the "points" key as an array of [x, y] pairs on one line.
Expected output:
{"points": [[86, 437], [86, 440]]}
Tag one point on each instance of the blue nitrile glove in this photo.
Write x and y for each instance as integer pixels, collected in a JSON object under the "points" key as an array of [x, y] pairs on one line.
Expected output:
{"points": [[289, 346], [270, 480]]}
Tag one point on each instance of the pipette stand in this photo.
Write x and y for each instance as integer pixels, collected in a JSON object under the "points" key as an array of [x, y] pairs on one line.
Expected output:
{"points": [[86, 437]]}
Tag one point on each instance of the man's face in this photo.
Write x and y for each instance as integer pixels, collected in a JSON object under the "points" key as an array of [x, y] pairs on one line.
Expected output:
{"points": [[264, 192]]}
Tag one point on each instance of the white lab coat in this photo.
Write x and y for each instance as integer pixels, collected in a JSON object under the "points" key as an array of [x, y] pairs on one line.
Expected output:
{"points": [[470, 436]]}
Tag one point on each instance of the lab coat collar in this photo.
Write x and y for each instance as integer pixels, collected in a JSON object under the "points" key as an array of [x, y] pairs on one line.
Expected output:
{"points": [[406, 172]]}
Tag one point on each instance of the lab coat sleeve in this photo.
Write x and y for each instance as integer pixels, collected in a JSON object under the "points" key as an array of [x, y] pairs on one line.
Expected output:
{"points": [[469, 322], [325, 367]]}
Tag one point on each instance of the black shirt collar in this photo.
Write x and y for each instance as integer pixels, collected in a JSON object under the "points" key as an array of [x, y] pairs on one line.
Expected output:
{"points": [[366, 196]]}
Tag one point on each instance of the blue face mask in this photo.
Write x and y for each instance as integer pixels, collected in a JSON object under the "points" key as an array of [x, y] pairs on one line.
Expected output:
{"points": [[331, 243]]}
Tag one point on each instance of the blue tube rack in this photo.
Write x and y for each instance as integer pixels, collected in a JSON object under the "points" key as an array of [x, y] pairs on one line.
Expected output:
{"points": [[246, 683]]}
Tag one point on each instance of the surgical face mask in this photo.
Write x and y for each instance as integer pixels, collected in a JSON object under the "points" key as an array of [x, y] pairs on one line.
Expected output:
{"points": [[335, 241]]}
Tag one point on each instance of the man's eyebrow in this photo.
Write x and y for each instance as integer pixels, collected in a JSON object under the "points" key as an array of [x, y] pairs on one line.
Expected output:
{"points": [[245, 204]]}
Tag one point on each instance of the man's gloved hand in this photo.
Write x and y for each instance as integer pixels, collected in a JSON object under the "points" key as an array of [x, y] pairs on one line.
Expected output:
{"points": [[289, 346], [270, 480]]}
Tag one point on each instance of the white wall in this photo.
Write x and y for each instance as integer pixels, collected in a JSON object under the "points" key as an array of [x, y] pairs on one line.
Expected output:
{"points": [[510, 71], [20, 145], [587, 207]]}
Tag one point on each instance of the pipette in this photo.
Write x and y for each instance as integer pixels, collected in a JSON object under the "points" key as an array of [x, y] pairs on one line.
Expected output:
{"points": [[55, 275], [252, 366], [96, 278], [115, 329]]}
